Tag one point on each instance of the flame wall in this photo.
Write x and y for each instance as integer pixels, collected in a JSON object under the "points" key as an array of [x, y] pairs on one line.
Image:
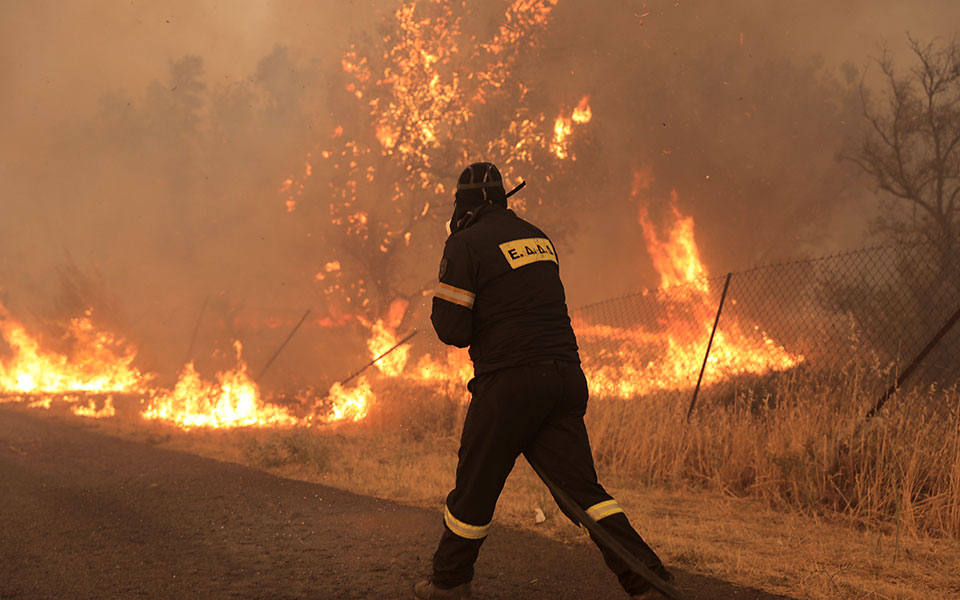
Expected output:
{"points": [[140, 181]]}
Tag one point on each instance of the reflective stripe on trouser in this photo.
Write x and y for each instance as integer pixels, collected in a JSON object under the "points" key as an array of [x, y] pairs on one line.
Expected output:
{"points": [[602, 510], [464, 530], [536, 410]]}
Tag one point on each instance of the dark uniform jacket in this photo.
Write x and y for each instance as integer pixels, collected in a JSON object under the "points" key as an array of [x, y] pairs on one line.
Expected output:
{"points": [[500, 293]]}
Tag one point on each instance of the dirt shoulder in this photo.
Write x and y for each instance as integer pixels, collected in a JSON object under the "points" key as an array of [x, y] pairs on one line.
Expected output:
{"points": [[92, 516]]}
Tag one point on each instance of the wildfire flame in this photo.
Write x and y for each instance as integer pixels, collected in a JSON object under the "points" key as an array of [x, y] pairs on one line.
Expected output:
{"points": [[679, 350], [350, 404], [456, 367], [563, 128], [382, 339], [419, 98], [675, 258], [98, 361], [293, 186], [233, 400], [91, 410], [582, 113]]}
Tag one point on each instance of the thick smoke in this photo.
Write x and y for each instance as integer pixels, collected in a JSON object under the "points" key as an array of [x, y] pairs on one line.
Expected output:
{"points": [[145, 144]]}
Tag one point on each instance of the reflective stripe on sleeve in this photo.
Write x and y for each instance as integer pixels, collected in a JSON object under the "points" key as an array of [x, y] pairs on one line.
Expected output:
{"points": [[456, 295], [604, 509], [464, 530]]}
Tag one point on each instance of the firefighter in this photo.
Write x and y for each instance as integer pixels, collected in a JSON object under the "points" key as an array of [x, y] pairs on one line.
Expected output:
{"points": [[500, 294]]}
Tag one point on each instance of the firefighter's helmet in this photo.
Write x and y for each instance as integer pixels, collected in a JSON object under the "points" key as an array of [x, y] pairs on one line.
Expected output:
{"points": [[479, 184], [480, 176]]}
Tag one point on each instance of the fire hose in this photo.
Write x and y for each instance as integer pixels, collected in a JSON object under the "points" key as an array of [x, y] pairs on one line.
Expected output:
{"points": [[603, 536]]}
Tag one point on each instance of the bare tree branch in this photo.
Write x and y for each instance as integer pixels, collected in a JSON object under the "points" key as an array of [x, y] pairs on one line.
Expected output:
{"points": [[911, 146]]}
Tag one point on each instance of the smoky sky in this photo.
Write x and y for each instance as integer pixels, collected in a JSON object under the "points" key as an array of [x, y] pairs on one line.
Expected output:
{"points": [[76, 50], [740, 107]]}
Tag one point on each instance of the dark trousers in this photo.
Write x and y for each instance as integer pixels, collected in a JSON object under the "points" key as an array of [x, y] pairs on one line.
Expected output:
{"points": [[536, 410]]}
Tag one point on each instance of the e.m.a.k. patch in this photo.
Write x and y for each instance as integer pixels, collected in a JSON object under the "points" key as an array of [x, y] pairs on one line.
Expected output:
{"points": [[528, 250]]}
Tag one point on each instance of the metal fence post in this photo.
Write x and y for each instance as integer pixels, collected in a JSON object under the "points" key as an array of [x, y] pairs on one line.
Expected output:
{"points": [[196, 330], [914, 363], [282, 346], [706, 356]]}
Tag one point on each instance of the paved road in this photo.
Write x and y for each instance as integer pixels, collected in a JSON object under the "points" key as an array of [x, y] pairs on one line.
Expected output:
{"points": [[85, 515]]}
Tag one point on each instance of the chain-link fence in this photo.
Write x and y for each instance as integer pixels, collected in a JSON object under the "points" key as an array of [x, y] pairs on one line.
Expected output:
{"points": [[879, 308]]}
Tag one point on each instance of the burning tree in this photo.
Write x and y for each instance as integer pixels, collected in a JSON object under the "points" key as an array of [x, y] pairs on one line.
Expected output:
{"points": [[435, 92]]}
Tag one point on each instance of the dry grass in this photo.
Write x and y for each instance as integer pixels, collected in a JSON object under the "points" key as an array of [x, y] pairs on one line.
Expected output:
{"points": [[787, 490], [802, 445]]}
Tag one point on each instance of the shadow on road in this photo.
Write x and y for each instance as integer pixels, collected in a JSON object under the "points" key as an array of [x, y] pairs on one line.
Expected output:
{"points": [[702, 587]]}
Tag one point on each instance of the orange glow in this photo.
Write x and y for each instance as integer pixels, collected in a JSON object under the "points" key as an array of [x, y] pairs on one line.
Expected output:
{"points": [[97, 361], [382, 338], [386, 135], [676, 258], [233, 400], [456, 368], [43, 402], [642, 180], [678, 350], [91, 410], [424, 83], [39, 377], [395, 313], [419, 97], [331, 267], [563, 128], [582, 113], [293, 187], [349, 404]]}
